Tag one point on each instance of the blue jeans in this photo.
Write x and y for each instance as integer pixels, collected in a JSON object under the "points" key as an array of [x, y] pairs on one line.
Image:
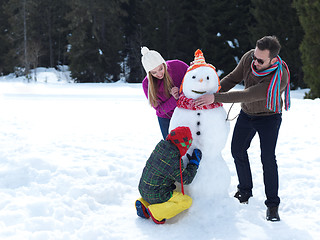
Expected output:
{"points": [[164, 126], [267, 128]]}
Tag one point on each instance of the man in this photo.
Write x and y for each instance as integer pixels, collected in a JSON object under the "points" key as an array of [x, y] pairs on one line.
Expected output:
{"points": [[265, 78]]}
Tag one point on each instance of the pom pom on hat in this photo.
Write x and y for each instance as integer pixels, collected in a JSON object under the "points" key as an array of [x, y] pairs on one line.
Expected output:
{"points": [[199, 58], [144, 50], [151, 59], [182, 138]]}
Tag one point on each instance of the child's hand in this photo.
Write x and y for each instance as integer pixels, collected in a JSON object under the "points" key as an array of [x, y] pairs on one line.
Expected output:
{"points": [[196, 157]]}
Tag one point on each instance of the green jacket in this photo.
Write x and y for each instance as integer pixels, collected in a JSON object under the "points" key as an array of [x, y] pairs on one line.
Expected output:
{"points": [[162, 170]]}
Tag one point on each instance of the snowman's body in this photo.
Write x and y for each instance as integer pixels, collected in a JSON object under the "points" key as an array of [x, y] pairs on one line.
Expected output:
{"points": [[209, 130]]}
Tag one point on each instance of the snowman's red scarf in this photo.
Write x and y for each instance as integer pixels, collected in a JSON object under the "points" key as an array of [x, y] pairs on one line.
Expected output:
{"points": [[188, 103]]}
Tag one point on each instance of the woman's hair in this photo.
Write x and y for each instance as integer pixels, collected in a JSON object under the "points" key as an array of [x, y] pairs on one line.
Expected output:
{"points": [[152, 87]]}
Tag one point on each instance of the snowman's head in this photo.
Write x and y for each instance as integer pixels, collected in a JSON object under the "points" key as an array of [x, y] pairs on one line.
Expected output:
{"points": [[200, 81], [201, 78]]}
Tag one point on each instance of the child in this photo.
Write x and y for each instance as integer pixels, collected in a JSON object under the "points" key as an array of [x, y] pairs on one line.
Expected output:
{"points": [[163, 168]]}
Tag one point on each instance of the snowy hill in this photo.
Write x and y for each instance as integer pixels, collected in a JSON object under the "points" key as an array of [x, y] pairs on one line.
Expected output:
{"points": [[71, 156]]}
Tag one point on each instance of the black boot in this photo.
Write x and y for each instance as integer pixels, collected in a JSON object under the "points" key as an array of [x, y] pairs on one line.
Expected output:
{"points": [[272, 214], [242, 197]]}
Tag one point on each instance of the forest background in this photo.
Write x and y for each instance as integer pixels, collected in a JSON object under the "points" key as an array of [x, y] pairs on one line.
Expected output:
{"points": [[100, 40]]}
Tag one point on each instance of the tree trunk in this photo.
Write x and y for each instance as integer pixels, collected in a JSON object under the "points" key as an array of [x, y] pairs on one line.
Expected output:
{"points": [[26, 62]]}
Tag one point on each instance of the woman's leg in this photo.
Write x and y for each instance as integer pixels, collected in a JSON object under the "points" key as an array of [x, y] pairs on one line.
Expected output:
{"points": [[164, 126]]}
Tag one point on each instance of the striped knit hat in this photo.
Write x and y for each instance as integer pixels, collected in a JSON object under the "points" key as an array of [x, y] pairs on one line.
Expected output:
{"points": [[199, 61]]}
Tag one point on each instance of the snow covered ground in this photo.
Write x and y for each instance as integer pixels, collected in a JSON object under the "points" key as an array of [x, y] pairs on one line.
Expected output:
{"points": [[71, 156]]}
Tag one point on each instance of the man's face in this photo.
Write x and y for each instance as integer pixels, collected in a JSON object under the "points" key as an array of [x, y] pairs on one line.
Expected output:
{"points": [[261, 59]]}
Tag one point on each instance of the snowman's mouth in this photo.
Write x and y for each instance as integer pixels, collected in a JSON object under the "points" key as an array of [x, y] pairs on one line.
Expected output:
{"points": [[198, 92]]}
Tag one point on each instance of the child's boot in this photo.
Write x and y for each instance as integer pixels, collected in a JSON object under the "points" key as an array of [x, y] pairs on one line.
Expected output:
{"points": [[141, 206]]}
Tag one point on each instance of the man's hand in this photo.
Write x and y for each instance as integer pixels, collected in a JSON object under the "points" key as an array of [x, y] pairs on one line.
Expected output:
{"points": [[204, 100]]}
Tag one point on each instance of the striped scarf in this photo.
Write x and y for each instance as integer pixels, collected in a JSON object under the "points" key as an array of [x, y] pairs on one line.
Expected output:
{"points": [[273, 95], [188, 103]]}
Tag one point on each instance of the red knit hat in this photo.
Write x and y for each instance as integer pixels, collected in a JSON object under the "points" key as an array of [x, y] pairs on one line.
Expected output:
{"points": [[182, 138]]}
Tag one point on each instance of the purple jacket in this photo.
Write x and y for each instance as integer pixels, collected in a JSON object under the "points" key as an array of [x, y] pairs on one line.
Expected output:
{"points": [[177, 69]]}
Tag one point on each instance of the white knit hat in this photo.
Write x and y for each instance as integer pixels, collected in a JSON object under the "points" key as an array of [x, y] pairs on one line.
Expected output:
{"points": [[150, 59]]}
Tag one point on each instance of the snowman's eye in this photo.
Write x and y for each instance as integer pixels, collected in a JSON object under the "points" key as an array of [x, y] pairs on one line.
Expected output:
{"points": [[193, 77], [208, 78]]}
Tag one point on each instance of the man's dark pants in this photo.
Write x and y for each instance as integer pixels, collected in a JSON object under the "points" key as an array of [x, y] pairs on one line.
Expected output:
{"points": [[267, 128]]}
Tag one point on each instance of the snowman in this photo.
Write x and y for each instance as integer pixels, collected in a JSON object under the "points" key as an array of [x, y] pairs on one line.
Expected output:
{"points": [[209, 130]]}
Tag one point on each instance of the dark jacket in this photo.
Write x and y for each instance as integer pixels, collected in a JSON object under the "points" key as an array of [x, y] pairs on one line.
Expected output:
{"points": [[162, 170]]}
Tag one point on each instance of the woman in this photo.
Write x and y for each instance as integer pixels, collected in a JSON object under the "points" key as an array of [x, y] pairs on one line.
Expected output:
{"points": [[161, 85]]}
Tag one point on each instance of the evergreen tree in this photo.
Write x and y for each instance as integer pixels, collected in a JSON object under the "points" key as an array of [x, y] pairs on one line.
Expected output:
{"points": [[224, 35], [19, 12], [187, 33], [6, 62], [133, 41], [96, 40], [165, 26], [49, 27], [158, 23], [309, 15], [239, 33], [177, 28], [279, 18], [38, 32]]}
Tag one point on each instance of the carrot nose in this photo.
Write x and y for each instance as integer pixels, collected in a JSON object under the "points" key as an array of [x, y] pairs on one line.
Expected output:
{"points": [[201, 80]]}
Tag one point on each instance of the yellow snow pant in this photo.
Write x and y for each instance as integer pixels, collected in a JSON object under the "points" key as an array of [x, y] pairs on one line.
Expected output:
{"points": [[175, 205]]}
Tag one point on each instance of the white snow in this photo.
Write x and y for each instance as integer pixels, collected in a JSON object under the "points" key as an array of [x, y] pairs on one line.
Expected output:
{"points": [[71, 156]]}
